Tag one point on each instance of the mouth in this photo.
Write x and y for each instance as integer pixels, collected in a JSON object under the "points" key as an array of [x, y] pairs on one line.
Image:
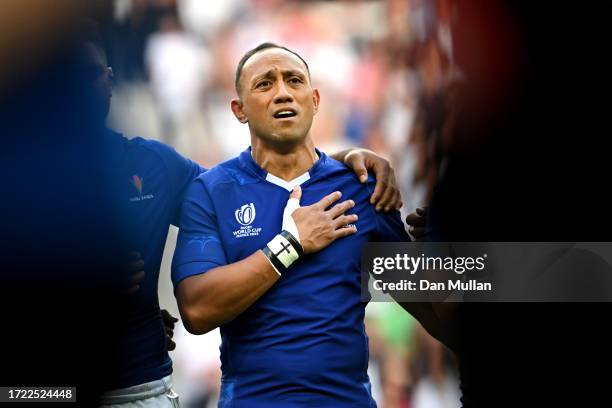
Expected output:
{"points": [[284, 113]]}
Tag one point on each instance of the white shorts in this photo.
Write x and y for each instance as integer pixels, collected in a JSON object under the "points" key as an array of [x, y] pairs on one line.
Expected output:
{"points": [[154, 394]]}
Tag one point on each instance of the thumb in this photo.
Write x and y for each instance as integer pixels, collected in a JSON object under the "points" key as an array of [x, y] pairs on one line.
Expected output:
{"points": [[292, 204], [296, 193]]}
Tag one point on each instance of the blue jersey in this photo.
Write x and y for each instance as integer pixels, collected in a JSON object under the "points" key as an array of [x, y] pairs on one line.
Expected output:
{"points": [[303, 343], [151, 180]]}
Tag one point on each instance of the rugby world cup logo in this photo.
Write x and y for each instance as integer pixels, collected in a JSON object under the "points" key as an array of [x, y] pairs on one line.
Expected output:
{"points": [[245, 215]]}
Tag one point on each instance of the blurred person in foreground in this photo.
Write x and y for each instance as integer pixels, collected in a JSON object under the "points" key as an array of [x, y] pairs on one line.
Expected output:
{"points": [[151, 179], [62, 242], [525, 115], [290, 311]]}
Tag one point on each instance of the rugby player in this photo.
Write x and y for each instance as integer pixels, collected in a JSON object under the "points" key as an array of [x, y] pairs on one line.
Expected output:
{"points": [[290, 311], [151, 179]]}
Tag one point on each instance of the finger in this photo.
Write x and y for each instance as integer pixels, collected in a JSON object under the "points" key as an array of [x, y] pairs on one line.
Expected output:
{"points": [[341, 208], [422, 211], [171, 344], [379, 189], [344, 232], [328, 200], [136, 278], [169, 324], [385, 200], [296, 193], [136, 265], [362, 174], [382, 171], [168, 317], [357, 163], [415, 220], [293, 203], [169, 333], [395, 203], [417, 232], [341, 221]]}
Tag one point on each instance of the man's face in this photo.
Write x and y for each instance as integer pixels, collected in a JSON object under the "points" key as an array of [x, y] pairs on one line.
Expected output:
{"points": [[96, 79], [277, 99]]}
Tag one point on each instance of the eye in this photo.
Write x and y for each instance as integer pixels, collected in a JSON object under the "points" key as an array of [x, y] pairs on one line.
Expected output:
{"points": [[295, 80], [263, 84]]}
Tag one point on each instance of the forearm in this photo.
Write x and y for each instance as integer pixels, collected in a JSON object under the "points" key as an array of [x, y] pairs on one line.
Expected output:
{"points": [[211, 299], [436, 326]]}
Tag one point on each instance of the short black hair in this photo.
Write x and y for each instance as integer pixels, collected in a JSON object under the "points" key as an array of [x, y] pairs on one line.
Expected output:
{"points": [[261, 47]]}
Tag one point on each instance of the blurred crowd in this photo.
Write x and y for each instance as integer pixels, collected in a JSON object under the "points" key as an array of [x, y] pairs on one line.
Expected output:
{"points": [[380, 66], [385, 71]]}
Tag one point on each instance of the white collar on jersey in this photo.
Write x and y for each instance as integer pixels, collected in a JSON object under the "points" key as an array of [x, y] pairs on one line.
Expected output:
{"points": [[288, 185]]}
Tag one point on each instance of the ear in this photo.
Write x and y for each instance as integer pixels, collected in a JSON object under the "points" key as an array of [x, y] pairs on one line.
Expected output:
{"points": [[316, 98], [238, 112]]}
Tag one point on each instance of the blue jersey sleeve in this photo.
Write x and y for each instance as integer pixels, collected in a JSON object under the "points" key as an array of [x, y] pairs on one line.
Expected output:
{"points": [[182, 172], [389, 225], [198, 247], [390, 228]]}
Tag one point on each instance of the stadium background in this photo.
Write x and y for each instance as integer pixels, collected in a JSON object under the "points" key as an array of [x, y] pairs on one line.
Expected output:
{"points": [[377, 64]]}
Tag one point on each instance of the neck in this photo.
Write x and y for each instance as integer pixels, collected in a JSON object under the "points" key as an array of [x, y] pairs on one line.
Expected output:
{"points": [[285, 161]]}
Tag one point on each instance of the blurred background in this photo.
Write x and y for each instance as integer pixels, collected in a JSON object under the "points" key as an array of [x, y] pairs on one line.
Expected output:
{"points": [[376, 63], [174, 63]]}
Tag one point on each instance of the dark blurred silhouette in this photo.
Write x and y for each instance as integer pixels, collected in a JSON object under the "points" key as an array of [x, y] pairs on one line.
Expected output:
{"points": [[522, 163], [62, 282]]}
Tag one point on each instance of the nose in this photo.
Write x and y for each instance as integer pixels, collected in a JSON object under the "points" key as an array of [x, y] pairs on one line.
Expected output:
{"points": [[282, 93]]}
